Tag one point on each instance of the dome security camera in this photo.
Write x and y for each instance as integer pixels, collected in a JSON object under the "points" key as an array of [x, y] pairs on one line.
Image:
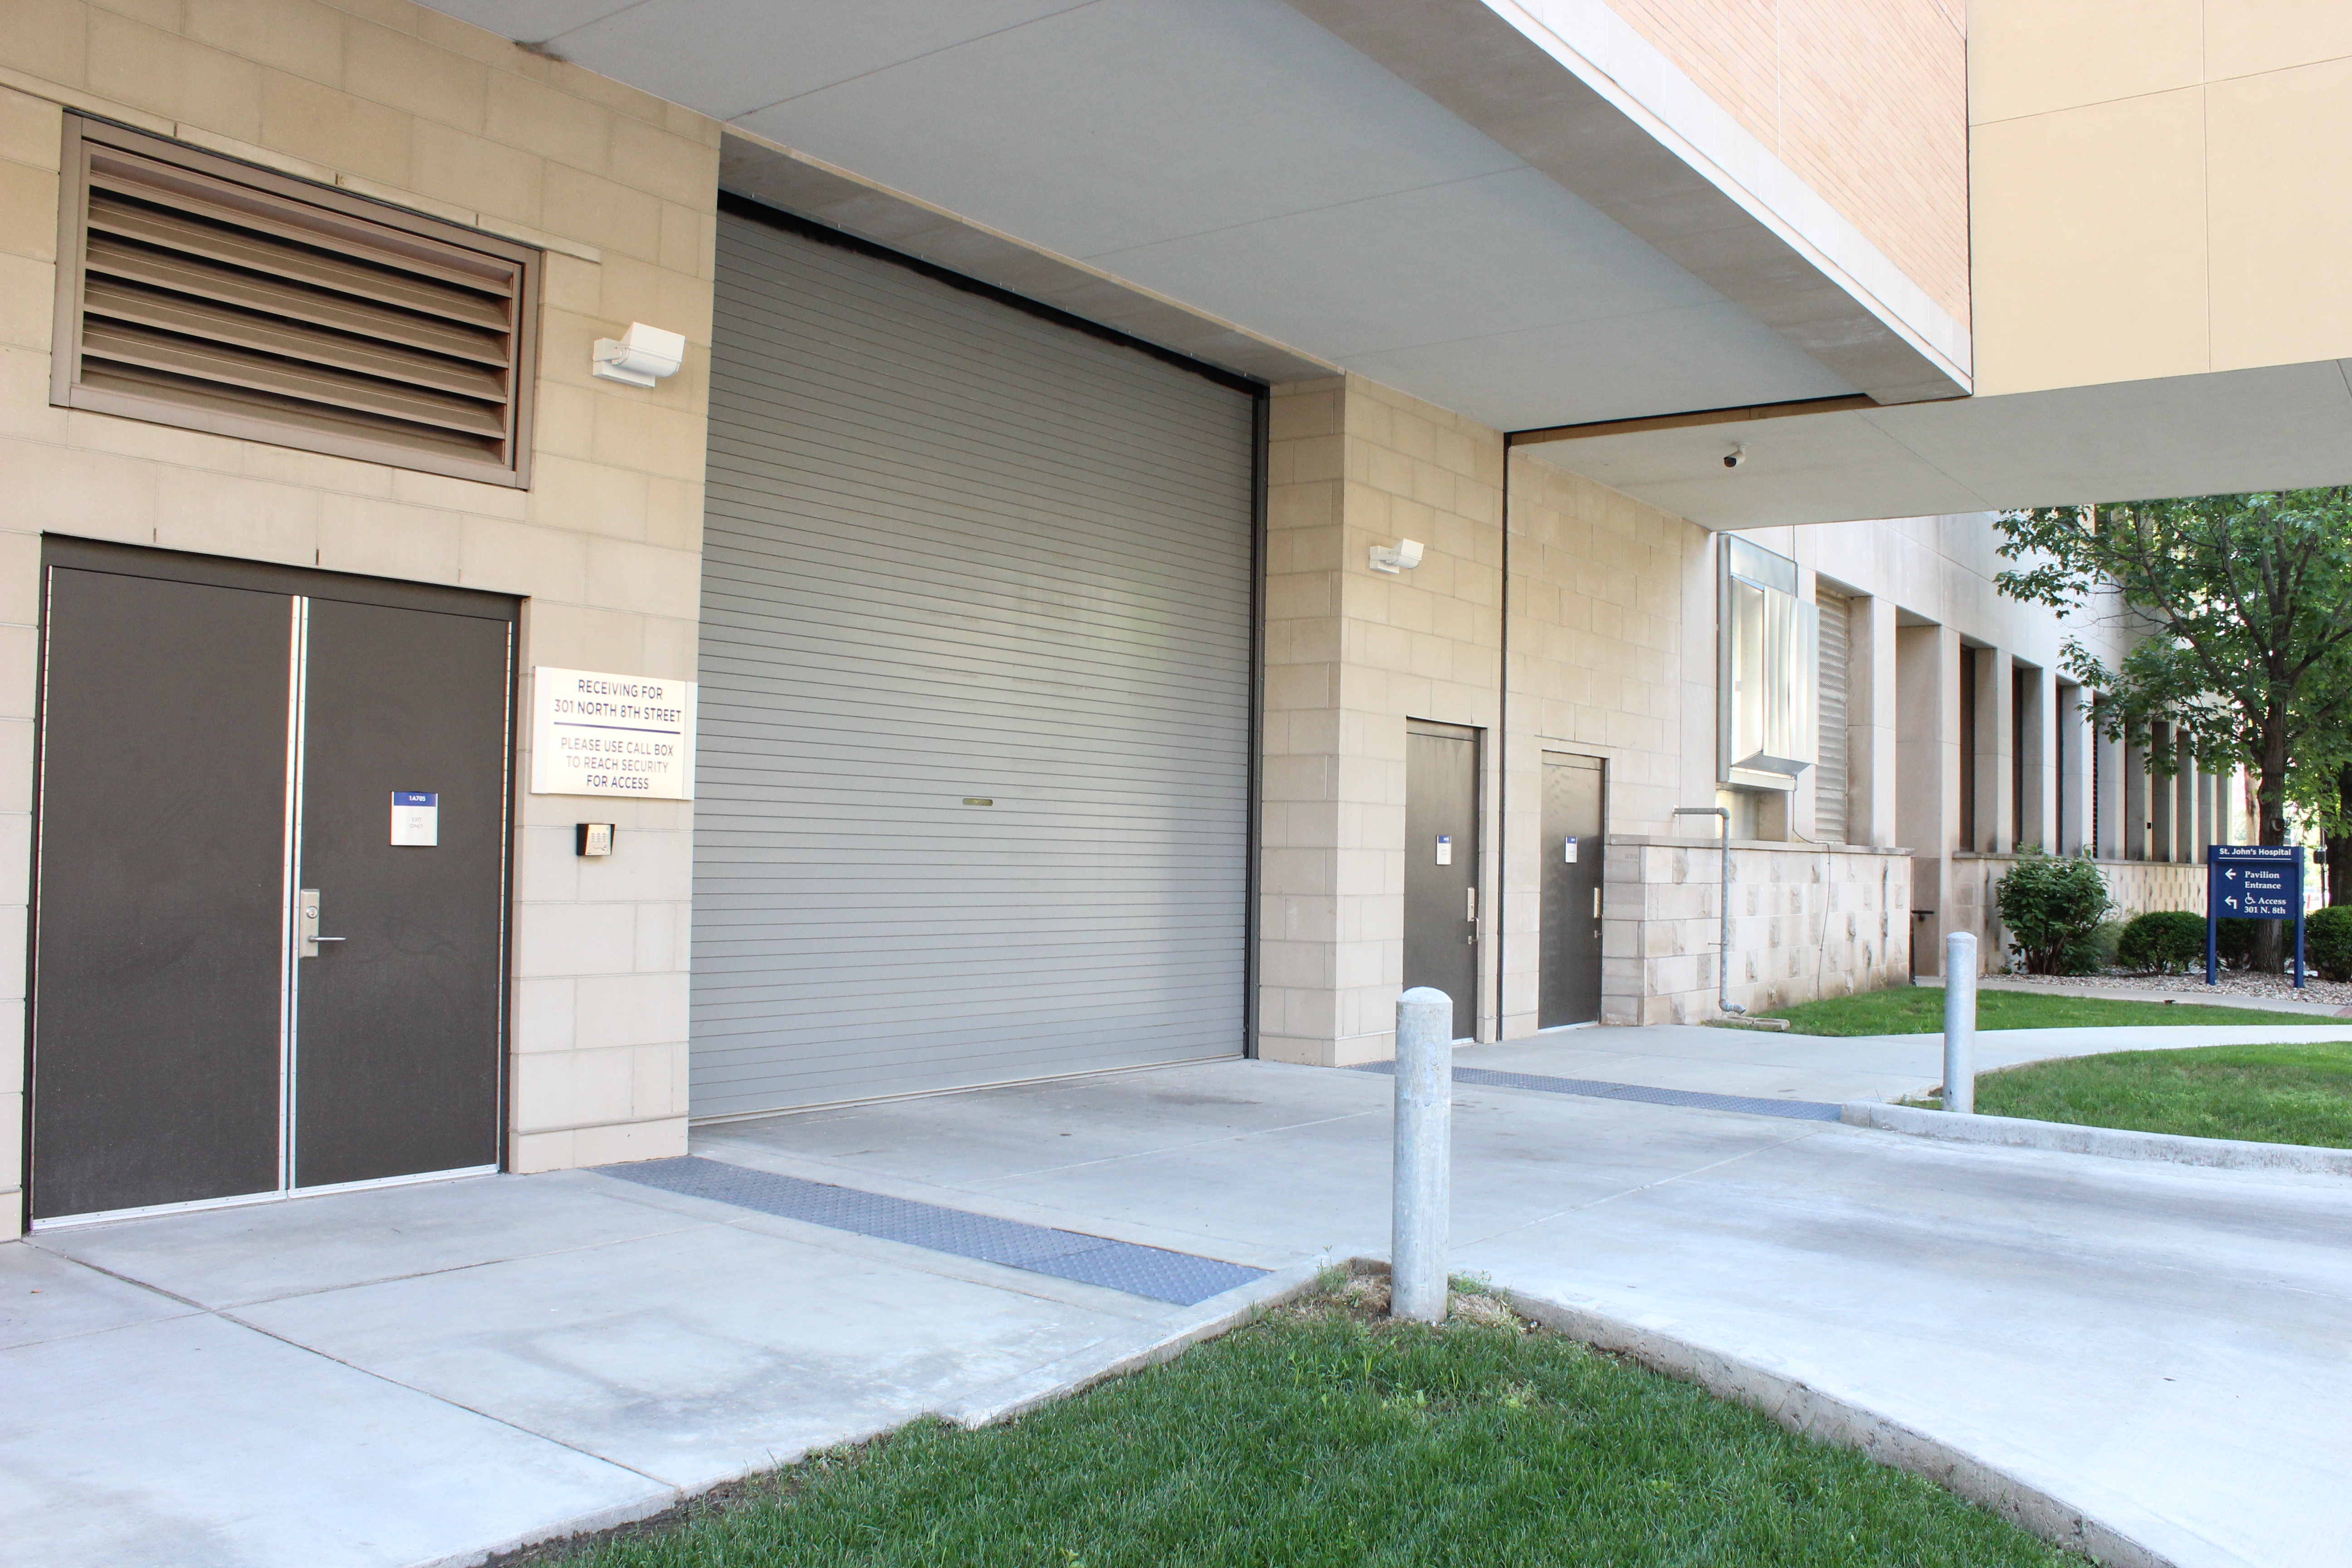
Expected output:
{"points": [[1736, 456]]}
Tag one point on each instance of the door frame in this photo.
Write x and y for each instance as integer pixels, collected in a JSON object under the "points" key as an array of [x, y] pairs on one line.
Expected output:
{"points": [[74, 552], [1545, 750], [1482, 867]]}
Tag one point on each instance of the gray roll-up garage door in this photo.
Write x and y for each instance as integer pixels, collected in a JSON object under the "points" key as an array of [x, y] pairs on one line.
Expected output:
{"points": [[974, 770]]}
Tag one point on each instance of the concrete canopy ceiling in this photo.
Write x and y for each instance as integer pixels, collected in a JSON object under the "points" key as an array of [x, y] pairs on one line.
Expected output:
{"points": [[1243, 162], [2285, 426]]}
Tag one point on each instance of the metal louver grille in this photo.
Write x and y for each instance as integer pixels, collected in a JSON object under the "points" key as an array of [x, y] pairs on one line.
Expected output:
{"points": [[200, 292], [1830, 774]]}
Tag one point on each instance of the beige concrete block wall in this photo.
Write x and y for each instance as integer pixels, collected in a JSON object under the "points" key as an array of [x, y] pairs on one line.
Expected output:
{"points": [[1606, 596], [2202, 139], [1866, 100], [1807, 921], [1351, 656], [389, 100]]}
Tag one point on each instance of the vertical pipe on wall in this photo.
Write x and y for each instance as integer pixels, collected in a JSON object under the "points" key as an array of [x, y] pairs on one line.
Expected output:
{"points": [[1253, 849], [1503, 761]]}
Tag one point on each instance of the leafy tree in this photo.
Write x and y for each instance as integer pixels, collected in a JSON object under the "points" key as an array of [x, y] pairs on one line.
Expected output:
{"points": [[2239, 611]]}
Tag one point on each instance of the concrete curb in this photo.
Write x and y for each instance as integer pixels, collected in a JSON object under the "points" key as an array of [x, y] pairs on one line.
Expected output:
{"points": [[2145, 994], [1149, 1346], [1799, 1408], [2110, 1143]]}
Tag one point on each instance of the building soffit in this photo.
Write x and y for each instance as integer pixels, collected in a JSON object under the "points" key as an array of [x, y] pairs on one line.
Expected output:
{"points": [[750, 165], [1611, 120], [1303, 215]]}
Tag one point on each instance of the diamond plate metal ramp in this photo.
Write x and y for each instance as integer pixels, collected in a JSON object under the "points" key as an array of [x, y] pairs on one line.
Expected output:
{"points": [[1598, 1089], [1152, 1271]]}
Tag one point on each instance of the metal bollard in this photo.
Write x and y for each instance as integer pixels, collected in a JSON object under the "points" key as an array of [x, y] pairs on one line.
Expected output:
{"points": [[1424, 1155], [1961, 1022]]}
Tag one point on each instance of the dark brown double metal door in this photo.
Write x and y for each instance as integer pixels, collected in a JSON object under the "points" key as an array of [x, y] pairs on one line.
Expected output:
{"points": [[221, 744], [1574, 823], [1441, 866]]}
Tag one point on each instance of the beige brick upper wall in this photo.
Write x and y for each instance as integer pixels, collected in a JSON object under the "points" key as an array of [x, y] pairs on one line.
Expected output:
{"points": [[1866, 100], [2158, 187]]}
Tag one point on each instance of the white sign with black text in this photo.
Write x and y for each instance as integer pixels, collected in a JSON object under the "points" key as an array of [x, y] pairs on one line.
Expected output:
{"points": [[593, 733]]}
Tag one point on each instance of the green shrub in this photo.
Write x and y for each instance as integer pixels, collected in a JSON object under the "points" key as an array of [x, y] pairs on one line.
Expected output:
{"points": [[2170, 939], [2233, 940], [2328, 941], [2095, 951], [2050, 904]]}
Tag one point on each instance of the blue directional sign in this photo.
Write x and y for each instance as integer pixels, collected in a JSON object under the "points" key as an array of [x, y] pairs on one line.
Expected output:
{"points": [[2252, 882]]}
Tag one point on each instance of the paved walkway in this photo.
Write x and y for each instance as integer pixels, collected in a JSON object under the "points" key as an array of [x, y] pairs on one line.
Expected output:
{"points": [[1772, 1064], [422, 1374]]}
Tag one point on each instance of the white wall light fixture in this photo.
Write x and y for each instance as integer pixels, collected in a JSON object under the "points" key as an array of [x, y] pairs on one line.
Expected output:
{"points": [[1401, 556], [640, 358]]}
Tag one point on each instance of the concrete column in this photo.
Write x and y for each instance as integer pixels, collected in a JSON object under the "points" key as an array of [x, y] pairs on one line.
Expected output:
{"points": [[2071, 739], [2209, 813], [1873, 700], [2111, 805], [1996, 756], [1928, 747]]}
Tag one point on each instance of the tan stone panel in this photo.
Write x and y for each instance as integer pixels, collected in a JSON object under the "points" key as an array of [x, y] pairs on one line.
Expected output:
{"points": [[2029, 56], [225, 514], [488, 176], [168, 74], [2277, 148], [335, 128], [651, 159], [25, 414], [2242, 36], [2090, 237], [93, 493], [30, 129], [298, 36], [384, 539], [533, 116], [28, 211], [27, 304], [593, 208], [395, 68], [48, 38], [514, 558]]}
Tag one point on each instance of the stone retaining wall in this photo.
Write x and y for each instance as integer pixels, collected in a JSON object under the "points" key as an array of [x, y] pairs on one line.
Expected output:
{"points": [[1807, 921]]}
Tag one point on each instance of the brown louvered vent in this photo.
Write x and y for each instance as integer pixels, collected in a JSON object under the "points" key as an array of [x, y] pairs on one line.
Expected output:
{"points": [[199, 292]]}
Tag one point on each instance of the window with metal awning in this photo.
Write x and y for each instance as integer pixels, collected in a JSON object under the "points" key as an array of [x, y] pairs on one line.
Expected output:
{"points": [[1770, 642]]}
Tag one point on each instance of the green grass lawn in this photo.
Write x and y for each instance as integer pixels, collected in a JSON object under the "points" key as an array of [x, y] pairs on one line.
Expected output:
{"points": [[1322, 1436], [1919, 1010], [2272, 1094]]}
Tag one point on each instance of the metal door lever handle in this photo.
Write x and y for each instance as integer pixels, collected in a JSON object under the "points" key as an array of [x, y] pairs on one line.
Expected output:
{"points": [[331, 938]]}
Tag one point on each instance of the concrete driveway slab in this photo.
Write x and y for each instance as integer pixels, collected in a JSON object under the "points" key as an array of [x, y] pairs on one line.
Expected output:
{"points": [[222, 1257], [692, 1356], [2160, 1345], [44, 1297], [192, 1443]]}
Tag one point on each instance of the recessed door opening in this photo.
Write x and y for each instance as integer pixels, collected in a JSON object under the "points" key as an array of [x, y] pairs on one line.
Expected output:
{"points": [[255, 974], [1575, 824], [1441, 917]]}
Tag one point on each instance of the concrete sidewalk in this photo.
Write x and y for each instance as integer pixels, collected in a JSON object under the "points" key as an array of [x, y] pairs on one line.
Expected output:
{"points": [[418, 1375], [1776, 1065]]}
